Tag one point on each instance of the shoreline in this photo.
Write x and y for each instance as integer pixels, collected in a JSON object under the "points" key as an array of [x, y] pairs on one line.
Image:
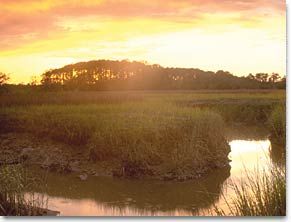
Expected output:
{"points": [[31, 151]]}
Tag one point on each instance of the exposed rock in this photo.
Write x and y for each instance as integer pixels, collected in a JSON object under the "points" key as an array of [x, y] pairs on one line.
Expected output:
{"points": [[48, 212], [91, 172], [59, 166], [96, 175], [74, 166], [83, 177], [169, 176], [26, 153]]}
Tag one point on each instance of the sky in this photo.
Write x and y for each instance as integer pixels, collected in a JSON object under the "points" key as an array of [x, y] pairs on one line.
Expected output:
{"points": [[240, 36]]}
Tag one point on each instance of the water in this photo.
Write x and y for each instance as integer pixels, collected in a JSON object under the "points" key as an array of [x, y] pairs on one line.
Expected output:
{"points": [[104, 196]]}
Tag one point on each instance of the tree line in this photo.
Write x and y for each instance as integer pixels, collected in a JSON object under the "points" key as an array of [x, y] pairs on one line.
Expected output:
{"points": [[126, 75], [118, 75]]}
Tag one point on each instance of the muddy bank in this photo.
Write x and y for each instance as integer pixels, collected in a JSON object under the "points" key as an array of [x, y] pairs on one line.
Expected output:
{"points": [[57, 157]]}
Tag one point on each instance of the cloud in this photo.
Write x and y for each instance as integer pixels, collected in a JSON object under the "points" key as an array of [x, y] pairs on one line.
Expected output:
{"points": [[25, 21], [138, 7]]}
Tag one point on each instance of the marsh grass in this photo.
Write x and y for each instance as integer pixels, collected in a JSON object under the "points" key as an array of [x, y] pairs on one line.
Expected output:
{"points": [[36, 97], [144, 138], [244, 113], [247, 111], [143, 132], [277, 124], [14, 181], [178, 146], [180, 97], [260, 194]]}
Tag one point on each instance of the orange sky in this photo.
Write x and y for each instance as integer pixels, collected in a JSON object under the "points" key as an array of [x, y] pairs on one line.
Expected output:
{"points": [[240, 36]]}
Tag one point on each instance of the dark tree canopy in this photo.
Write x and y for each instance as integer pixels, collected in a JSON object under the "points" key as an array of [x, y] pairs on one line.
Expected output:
{"points": [[118, 75], [3, 78]]}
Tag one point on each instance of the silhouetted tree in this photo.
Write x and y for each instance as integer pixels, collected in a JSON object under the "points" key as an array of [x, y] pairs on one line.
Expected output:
{"points": [[251, 76], [4, 78], [34, 81], [262, 77], [274, 77], [119, 75]]}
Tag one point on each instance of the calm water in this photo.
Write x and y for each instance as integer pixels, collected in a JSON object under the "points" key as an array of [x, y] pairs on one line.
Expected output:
{"points": [[103, 196]]}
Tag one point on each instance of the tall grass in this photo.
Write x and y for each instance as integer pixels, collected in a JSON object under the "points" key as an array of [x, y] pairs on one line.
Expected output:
{"points": [[145, 138], [143, 133], [36, 97], [261, 194], [14, 181], [277, 124], [244, 106], [251, 112], [179, 147]]}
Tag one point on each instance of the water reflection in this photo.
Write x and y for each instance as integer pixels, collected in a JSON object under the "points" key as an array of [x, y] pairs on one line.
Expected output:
{"points": [[248, 155], [106, 196], [277, 154], [109, 196]]}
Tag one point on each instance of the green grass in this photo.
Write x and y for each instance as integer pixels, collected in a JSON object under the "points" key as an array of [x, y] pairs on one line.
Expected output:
{"points": [[277, 124], [145, 138], [252, 112], [261, 194], [169, 133], [14, 180], [37, 97], [240, 106]]}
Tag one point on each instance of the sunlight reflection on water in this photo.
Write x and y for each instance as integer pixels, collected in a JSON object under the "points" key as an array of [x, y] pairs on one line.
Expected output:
{"points": [[116, 197], [248, 155]]}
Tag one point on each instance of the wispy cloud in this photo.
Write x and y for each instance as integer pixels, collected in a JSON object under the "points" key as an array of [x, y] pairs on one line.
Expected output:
{"points": [[170, 32], [28, 20]]}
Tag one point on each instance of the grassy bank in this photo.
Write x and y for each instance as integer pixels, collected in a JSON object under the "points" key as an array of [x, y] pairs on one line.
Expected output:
{"points": [[149, 138], [170, 134]]}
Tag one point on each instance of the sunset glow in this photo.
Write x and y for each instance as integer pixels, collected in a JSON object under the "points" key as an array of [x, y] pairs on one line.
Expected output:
{"points": [[238, 36]]}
